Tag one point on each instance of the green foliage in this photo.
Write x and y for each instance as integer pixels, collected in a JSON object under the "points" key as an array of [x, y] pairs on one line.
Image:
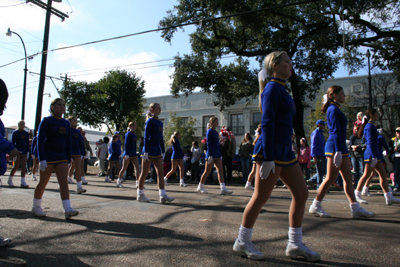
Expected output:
{"points": [[311, 33], [115, 100], [186, 130]]}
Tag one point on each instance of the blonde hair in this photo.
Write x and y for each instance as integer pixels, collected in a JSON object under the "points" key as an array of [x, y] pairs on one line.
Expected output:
{"points": [[70, 118], [258, 134], [172, 139], [131, 123], [359, 115], [270, 61], [149, 113], [210, 121]]}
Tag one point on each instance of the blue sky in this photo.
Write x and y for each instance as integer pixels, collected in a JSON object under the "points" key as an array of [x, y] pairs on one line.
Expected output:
{"points": [[89, 20]]}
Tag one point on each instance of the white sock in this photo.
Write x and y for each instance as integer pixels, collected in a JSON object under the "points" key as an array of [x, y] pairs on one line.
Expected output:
{"points": [[66, 204], [388, 195], [295, 235], [83, 178], [248, 183], [10, 178], [69, 178], [365, 189], [201, 185], [162, 192], [165, 178], [118, 181], [79, 184], [140, 192], [222, 185], [316, 203], [137, 183], [245, 234], [22, 180], [37, 202], [357, 193], [182, 181], [354, 206]]}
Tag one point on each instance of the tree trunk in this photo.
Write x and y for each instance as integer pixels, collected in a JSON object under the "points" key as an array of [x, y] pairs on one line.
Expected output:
{"points": [[299, 116]]}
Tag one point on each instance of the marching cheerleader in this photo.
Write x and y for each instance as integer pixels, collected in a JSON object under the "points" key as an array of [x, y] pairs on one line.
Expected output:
{"points": [[114, 151], [372, 158], [129, 154], [20, 139], [76, 155], [153, 151], [5, 146], [34, 157], [176, 158], [252, 174], [335, 150], [213, 157], [54, 154], [274, 159]]}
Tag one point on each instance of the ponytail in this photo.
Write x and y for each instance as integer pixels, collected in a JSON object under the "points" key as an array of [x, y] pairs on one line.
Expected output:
{"points": [[150, 114], [172, 139], [365, 120], [329, 97]]}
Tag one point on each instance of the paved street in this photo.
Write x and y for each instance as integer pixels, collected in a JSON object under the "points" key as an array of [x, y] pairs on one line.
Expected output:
{"points": [[113, 229]]}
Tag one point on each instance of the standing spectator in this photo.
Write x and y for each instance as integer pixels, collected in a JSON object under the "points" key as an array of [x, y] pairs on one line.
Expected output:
{"points": [[357, 148], [102, 147], [88, 149], [357, 123], [195, 161], [20, 139], [226, 150], [245, 152], [395, 153], [318, 154], [304, 157]]}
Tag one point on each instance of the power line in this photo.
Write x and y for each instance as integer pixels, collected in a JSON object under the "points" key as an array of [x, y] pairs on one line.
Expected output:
{"points": [[166, 28]]}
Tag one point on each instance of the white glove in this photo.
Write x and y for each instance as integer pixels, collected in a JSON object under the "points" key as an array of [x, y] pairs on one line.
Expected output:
{"points": [[126, 157], [163, 156], [43, 165], [337, 159], [384, 153], [185, 158], [266, 168], [145, 156], [210, 160], [82, 157], [373, 162]]}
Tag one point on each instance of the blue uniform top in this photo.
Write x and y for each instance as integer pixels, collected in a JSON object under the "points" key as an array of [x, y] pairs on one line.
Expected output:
{"points": [[34, 147], [278, 111], [371, 139], [130, 144], [382, 144], [54, 140], [20, 140], [153, 138], [176, 150], [76, 143], [114, 151], [337, 123], [213, 148], [317, 143], [5, 147]]}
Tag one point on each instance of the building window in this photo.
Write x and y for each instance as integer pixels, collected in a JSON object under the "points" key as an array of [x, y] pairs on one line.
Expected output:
{"points": [[209, 100], [356, 88], [182, 102], [237, 124], [184, 120], [205, 122], [256, 121]]}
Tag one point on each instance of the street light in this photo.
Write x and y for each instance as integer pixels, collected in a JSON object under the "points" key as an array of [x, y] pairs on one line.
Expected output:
{"points": [[9, 33], [368, 54]]}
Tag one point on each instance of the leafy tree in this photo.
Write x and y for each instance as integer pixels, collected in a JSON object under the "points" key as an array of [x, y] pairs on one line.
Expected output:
{"points": [[114, 100], [186, 130], [311, 33]]}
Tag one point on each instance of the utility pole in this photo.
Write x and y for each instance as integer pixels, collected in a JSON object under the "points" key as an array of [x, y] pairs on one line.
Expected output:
{"points": [[49, 11]]}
